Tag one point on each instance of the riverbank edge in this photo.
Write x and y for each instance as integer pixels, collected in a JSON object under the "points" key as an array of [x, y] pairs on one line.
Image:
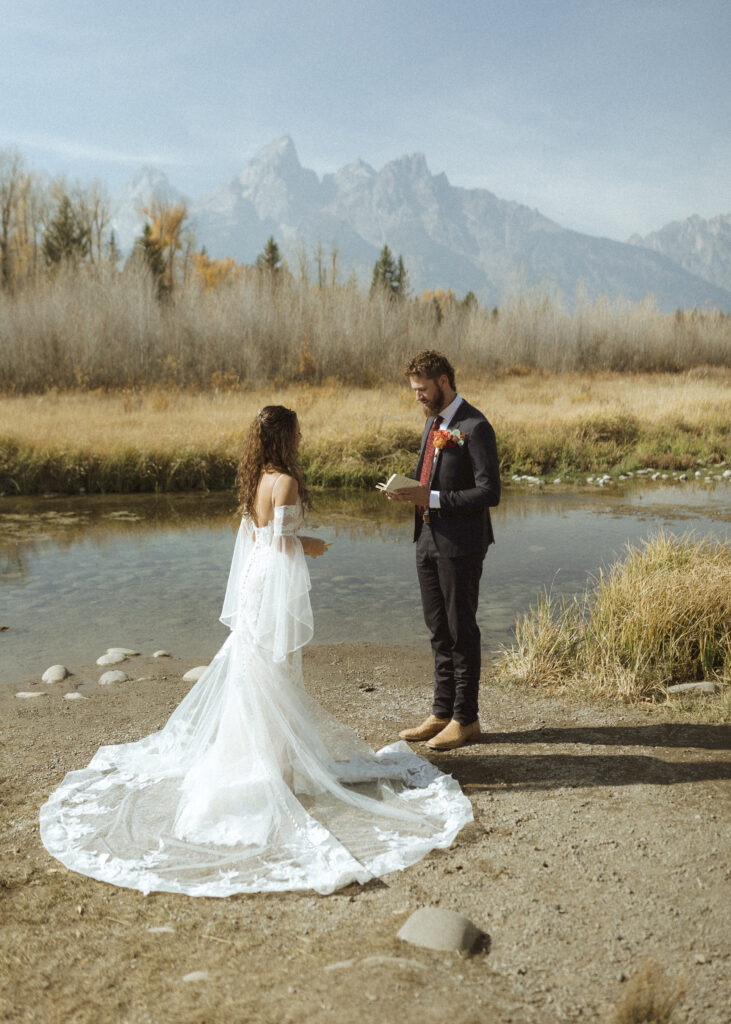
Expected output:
{"points": [[600, 448]]}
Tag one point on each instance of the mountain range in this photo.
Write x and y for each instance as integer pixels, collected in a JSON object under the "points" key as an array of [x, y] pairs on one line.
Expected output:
{"points": [[449, 237]]}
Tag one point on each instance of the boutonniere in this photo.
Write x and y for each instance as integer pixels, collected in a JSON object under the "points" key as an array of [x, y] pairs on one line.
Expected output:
{"points": [[448, 439]]}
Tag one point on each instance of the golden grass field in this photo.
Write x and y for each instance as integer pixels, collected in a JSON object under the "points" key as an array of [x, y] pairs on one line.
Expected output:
{"points": [[546, 424], [534, 402]]}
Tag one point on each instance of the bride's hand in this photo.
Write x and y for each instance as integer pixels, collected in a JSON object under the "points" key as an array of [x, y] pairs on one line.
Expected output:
{"points": [[314, 546]]}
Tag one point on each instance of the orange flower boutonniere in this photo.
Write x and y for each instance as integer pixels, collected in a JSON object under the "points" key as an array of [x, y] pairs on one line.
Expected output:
{"points": [[448, 439]]}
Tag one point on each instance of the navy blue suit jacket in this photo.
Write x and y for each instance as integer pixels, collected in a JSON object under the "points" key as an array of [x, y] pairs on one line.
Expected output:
{"points": [[468, 480]]}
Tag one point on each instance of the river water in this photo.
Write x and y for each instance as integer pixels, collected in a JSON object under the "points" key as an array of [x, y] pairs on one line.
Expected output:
{"points": [[78, 575]]}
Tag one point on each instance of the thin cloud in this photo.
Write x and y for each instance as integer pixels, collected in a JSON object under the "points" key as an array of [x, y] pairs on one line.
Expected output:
{"points": [[72, 149]]}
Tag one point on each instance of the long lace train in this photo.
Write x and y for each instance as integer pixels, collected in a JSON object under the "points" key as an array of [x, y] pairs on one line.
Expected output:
{"points": [[251, 785]]}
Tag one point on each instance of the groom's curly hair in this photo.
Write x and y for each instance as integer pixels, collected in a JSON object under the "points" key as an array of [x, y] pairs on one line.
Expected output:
{"points": [[271, 446], [432, 365]]}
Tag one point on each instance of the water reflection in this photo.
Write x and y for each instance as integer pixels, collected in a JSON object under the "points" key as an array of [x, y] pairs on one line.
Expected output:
{"points": [[81, 574]]}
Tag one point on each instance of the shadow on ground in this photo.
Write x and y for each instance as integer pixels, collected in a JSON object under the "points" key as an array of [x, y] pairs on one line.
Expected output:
{"points": [[668, 734], [560, 771]]}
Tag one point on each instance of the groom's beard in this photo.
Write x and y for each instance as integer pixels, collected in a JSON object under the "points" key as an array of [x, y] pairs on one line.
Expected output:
{"points": [[436, 404]]}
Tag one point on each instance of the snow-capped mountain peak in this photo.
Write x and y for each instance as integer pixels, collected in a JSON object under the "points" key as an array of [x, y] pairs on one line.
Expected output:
{"points": [[449, 237]]}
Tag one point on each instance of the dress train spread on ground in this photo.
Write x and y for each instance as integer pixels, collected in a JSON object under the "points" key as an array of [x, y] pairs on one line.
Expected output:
{"points": [[251, 785]]}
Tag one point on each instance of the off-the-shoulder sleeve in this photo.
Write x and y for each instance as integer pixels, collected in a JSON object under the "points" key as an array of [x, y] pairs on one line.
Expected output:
{"points": [[285, 621], [268, 594], [242, 550]]}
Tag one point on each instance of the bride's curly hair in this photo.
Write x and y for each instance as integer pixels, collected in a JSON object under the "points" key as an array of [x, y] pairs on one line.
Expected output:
{"points": [[271, 445]]}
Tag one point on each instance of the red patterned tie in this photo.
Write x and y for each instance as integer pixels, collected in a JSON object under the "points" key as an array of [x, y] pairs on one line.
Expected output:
{"points": [[428, 457]]}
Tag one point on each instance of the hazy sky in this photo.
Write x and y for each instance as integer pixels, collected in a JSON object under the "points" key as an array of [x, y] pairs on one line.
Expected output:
{"points": [[609, 116]]}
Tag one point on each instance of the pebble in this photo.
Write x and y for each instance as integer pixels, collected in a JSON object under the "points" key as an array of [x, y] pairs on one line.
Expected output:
{"points": [[126, 652], [162, 654], [55, 674], [24, 694], [194, 674], [727, 474], [435, 928], [114, 677], [557, 480], [74, 696], [162, 928], [110, 659], [196, 976]]}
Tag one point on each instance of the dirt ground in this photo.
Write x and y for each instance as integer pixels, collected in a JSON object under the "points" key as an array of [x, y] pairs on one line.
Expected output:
{"points": [[600, 842]]}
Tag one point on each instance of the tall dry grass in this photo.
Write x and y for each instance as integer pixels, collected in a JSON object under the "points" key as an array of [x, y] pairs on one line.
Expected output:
{"points": [[98, 328], [661, 616]]}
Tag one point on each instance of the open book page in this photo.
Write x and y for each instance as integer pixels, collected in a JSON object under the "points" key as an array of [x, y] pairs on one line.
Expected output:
{"points": [[395, 482]]}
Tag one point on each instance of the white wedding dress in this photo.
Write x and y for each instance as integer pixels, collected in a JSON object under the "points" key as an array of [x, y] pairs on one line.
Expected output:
{"points": [[251, 785]]}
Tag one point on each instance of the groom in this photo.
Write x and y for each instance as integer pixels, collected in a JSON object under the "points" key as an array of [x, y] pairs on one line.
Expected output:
{"points": [[459, 480]]}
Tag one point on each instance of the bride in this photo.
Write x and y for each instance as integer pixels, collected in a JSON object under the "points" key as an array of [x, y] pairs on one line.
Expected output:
{"points": [[251, 785]]}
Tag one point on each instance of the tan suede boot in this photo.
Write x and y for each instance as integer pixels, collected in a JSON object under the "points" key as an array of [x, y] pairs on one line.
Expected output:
{"points": [[428, 728], [455, 735]]}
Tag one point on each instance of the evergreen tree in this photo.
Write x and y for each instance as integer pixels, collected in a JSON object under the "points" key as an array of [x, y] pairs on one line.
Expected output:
{"points": [[114, 253], [402, 279], [390, 275], [269, 259], [66, 239], [149, 250]]}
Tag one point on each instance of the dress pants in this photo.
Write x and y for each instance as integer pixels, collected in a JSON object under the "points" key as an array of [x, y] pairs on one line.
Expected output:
{"points": [[449, 593]]}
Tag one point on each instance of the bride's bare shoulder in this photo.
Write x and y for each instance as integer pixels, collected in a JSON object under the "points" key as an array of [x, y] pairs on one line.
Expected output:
{"points": [[285, 490]]}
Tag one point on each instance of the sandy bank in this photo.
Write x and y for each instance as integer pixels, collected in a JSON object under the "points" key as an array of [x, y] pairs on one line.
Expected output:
{"points": [[598, 843]]}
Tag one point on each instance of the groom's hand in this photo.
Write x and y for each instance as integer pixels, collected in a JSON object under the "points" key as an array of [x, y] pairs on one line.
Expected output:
{"points": [[416, 495]]}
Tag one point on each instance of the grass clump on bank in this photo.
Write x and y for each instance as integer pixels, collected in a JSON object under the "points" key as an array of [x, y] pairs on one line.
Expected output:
{"points": [[651, 997], [662, 616]]}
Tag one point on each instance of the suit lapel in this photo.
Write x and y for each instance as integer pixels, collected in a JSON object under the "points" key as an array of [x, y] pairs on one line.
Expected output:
{"points": [[452, 425]]}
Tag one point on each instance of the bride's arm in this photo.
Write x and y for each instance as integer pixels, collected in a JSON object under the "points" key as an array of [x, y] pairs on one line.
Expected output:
{"points": [[313, 546], [285, 494]]}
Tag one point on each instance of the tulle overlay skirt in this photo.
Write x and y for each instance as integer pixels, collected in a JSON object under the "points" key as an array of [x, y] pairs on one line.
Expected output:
{"points": [[251, 785]]}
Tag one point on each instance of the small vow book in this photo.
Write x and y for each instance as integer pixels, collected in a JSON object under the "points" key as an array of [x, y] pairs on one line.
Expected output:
{"points": [[395, 482]]}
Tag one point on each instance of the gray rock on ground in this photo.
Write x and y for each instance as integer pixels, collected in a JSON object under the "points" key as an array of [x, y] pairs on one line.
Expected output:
{"points": [[111, 659], [55, 674], [691, 688], [194, 674], [74, 695], [117, 676], [162, 654], [435, 928]]}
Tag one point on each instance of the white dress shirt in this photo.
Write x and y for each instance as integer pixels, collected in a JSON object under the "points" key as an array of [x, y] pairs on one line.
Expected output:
{"points": [[447, 415]]}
